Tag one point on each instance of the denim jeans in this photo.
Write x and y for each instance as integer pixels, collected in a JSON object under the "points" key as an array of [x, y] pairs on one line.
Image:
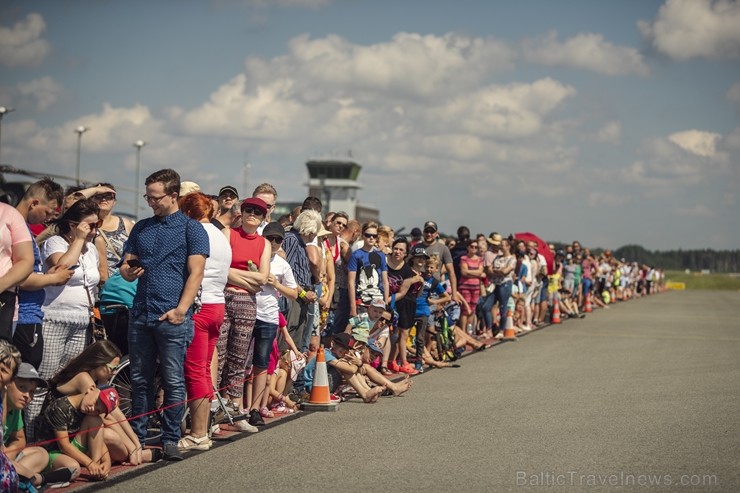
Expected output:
{"points": [[167, 343], [501, 293], [263, 336], [341, 314], [312, 319]]}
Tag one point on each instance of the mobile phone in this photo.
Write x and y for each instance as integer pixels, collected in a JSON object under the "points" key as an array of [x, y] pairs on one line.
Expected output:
{"points": [[134, 263], [73, 267]]}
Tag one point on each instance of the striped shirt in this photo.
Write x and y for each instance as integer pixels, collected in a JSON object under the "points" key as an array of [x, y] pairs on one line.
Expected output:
{"points": [[295, 251]]}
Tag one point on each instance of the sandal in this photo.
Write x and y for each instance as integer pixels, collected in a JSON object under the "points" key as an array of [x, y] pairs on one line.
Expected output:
{"points": [[385, 371], [189, 442], [266, 413]]}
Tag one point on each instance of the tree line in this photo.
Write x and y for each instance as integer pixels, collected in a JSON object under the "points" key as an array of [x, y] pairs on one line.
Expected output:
{"points": [[695, 260]]}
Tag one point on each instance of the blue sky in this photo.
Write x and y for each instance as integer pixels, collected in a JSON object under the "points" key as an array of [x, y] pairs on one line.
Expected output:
{"points": [[610, 122]]}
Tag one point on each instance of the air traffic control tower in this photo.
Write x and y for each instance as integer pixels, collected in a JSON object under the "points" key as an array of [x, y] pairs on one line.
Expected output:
{"points": [[334, 181]]}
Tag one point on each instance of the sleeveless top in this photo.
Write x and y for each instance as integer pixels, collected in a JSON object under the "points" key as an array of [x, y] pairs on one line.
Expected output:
{"points": [[114, 241], [245, 247]]}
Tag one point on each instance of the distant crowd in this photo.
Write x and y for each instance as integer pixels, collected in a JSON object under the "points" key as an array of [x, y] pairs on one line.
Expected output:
{"points": [[214, 309]]}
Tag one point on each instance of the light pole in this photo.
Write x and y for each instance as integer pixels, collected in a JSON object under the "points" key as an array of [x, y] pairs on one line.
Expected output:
{"points": [[79, 131], [138, 144], [3, 111]]}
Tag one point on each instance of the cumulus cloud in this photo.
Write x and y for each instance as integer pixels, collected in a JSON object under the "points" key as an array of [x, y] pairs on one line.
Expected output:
{"points": [[22, 45], [732, 141], [685, 29], [610, 133], [44, 92], [683, 158], [586, 51], [697, 142]]}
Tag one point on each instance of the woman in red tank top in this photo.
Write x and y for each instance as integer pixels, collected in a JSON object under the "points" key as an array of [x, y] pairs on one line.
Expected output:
{"points": [[250, 266]]}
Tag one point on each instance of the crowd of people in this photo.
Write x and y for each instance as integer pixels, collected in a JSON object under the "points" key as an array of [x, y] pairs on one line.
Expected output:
{"points": [[221, 308]]}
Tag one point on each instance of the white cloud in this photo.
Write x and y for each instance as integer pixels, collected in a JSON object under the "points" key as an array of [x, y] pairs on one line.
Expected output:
{"points": [[611, 133], [698, 211], [697, 142], [586, 51], [44, 92], [686, 29], [22, 45], [683, 158], [733, 94]]}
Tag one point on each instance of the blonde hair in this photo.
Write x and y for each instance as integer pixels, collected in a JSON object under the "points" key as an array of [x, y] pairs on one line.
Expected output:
{"points": [[10, 355], [308, 223]]}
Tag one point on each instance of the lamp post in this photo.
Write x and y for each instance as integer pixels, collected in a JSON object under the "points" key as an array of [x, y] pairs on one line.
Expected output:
{"points": [[138, 144], [3, 111], [79, 131]]}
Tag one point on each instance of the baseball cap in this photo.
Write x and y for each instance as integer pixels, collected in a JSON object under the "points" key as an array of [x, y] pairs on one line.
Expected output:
{"points": [[419, 251], [431, 224], [27, 371], [228, 188], [374, 347], [109, 397], [343, 339], [187, 187], [274, 229], [415, 232], [255, 202]]}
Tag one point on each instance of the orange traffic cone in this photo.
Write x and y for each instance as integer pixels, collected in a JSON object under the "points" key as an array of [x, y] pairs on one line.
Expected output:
{"points": [[556, 312], [320, 399], [509, 331], [588, 308]]}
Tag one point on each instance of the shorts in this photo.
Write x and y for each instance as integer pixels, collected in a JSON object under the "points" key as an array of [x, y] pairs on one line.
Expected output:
{"points": [[406, 313], [53, 454], [470, 294], [544, 296]]}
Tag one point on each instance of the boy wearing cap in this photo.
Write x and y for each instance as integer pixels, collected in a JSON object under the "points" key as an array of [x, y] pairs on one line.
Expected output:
{"points": [[70, 431], [436, 248], [29, 462]]}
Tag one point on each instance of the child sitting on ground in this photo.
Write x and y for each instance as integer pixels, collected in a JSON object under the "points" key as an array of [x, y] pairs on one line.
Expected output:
{"points": [[30, 462], [72, 426], [343, 364], [10, 360]]}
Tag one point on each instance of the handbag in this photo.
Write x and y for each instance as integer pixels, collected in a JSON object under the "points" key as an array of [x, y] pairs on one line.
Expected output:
{"points": [[96, 321]]}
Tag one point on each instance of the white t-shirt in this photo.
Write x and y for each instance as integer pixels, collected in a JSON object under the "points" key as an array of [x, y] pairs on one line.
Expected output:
{"points": [[70, 302], [217, 266], [267, 299]]}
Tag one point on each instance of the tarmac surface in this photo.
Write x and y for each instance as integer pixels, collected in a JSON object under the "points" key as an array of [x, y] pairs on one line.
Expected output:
{"points": [[644, 393]]}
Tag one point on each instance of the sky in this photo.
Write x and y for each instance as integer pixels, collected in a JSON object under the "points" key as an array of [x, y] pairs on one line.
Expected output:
{"points": [[610, 122]]}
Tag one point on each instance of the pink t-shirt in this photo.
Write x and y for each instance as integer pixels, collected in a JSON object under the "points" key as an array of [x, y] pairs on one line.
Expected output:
{"points": [[13, 230], [473, 264]]}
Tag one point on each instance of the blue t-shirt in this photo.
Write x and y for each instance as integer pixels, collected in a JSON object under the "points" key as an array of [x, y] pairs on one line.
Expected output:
{"points": [[163, 245], [369, 267], [310, 369], [431, 286], [29, 302]]}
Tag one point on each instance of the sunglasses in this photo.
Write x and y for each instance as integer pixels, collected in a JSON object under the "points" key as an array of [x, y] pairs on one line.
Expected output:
{"points": [[111, 367], [370, 235], [274, 239], [342, 225], [105, 196], [228, 196], [429, 231], [95, 225], [254, 211]]}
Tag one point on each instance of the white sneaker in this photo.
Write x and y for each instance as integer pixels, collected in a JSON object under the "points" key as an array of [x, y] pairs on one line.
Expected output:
{"points": [[526, 328], [499, 335], [245, 427]]}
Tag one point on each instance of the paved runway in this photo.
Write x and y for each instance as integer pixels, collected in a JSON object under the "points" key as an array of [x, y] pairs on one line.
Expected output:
{"points": [[646, 392]]}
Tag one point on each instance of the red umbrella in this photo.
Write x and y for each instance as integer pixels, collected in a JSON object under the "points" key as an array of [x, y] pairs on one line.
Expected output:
{"points": [[541, 248]]}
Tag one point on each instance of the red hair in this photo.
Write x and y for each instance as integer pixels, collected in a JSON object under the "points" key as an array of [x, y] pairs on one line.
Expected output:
{"points": [[196, 205]]}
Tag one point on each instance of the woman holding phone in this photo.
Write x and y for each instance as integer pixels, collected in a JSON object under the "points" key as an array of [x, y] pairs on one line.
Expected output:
{"points": [[67, 308]]}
